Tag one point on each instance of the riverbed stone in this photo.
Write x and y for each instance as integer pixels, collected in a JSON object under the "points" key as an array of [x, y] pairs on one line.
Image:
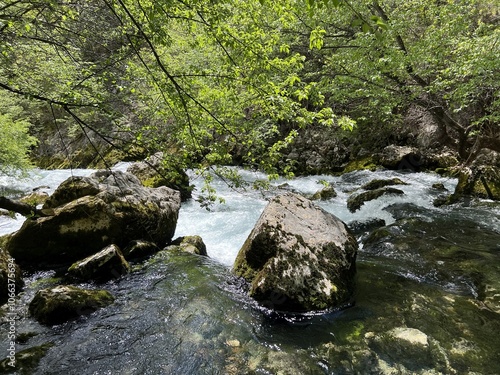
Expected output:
{"points": [[107, 264], [326, 193], [190, 244], [89, 213], [354, 202], [298, 257], [409, 346], [62, 303], [380, 183]]}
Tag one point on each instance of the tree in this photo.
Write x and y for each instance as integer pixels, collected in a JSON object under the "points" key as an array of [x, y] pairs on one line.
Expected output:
{"points": [[375, 59], [15, 141]]}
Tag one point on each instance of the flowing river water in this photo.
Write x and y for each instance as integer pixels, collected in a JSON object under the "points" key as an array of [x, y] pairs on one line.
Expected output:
{"points": [[427, 299]]}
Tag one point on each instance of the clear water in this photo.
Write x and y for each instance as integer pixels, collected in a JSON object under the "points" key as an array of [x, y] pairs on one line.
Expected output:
{"points": [[435, 270]]}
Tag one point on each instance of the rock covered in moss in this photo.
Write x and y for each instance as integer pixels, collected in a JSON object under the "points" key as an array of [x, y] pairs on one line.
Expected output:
{"points": [[152, 173], [481, 182], [107, 264], [62, 303], [380, 183], [326, 193], [11, 280], [26, 361], [89, 213], [190, 244], [354, 202], [298, 257]]}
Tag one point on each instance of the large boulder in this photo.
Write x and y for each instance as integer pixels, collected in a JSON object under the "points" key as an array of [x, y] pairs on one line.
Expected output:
{"points": [[401, 157], [90, 213], [152, 173], [298, 257], [62, 303]]}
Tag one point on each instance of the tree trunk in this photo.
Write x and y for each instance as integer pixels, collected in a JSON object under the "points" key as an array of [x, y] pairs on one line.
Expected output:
{"points": [[21, 208]]}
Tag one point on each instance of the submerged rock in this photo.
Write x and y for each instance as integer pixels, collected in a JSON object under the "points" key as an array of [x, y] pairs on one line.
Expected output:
{"points": [[355, 202], [62, 303], [89, 213], [298, 257], [107, 264]]}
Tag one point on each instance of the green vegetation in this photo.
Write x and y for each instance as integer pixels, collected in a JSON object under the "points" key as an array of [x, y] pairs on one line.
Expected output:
{"points": [[213, 83]]}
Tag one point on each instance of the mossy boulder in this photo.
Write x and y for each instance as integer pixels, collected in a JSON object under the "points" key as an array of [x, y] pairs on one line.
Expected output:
{"points": [[190, 244], [153, 173], [354, 202], [62, 303], [26, 361], [107, 264], [380, 183], [328, 192], [366, 163], [298, 257], [480, 182], [90, 213], [11, 280]]}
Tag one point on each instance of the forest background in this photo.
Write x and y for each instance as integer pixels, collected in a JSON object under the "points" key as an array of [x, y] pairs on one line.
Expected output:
{"points": [[274, 86]]}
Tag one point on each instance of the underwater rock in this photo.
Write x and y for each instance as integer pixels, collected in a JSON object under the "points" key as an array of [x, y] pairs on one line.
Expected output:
{"points": [[408, 345], [62, 303], [298, 257], [107, 264], [89, 213], [355, 202], [190, 244]]}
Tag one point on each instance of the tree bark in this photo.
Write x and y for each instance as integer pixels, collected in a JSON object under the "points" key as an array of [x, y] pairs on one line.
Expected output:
{"points": [[21, 208]]}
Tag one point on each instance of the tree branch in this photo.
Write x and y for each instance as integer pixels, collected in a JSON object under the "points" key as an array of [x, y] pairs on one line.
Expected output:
{"points": [[21, 208]]}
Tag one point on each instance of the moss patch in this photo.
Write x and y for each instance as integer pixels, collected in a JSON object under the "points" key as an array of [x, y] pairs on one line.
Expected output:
{"points": [[367, 163]]}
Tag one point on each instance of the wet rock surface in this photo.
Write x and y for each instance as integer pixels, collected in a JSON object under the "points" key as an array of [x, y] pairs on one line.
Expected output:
{"points": [[298, 257], [89, 213]]}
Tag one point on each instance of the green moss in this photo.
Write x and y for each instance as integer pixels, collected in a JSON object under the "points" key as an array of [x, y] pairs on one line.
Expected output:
{"points": [[26, 360], [367, 163], [380, 183], [59, 304]]}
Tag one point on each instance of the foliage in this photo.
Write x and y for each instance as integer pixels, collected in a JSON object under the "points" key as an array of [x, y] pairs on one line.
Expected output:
{"points": [[220, 82], [15, 141]]}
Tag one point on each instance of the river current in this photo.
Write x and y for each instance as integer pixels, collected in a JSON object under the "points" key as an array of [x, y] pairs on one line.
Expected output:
{"points": [[427, 300]]}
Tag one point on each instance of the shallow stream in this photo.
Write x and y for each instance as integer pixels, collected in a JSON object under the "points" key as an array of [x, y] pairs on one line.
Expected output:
{"points": [[427, 300]]}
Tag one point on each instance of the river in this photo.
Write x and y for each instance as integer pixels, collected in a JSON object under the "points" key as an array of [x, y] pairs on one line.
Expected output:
{"points": [[427, 299]]}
